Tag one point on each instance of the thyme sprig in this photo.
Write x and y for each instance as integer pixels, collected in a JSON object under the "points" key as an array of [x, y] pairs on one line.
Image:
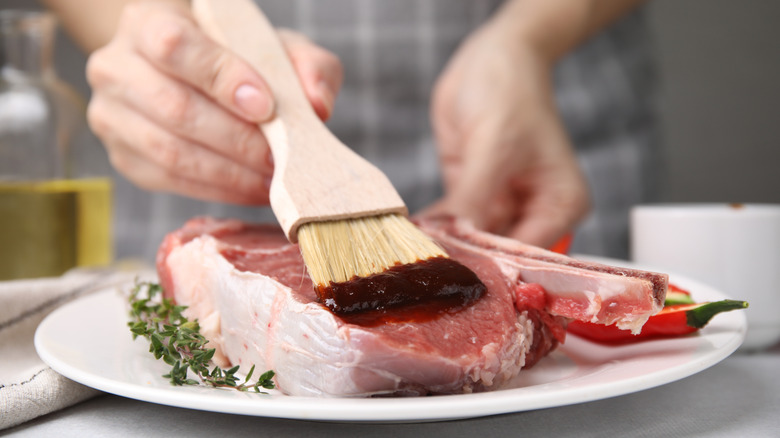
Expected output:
{"points": [[177, 341]]}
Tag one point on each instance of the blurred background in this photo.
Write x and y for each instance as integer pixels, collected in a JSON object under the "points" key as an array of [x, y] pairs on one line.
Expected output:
{"points": [[719, 64]]}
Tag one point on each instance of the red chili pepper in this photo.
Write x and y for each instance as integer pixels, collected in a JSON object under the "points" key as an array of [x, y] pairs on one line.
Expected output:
{"points": [[562, 245], [677, 295], [672, 320]]}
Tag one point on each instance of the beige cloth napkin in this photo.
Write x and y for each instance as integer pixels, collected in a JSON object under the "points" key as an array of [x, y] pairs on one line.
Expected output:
{"points": [[28, 387]]}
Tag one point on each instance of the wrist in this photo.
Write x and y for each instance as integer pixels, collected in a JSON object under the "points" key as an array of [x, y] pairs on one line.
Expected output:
{"points": [[528, 27], [552, 28]]}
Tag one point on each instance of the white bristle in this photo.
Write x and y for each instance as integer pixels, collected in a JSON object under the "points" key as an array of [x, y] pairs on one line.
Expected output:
{"points": [[336, 251]]}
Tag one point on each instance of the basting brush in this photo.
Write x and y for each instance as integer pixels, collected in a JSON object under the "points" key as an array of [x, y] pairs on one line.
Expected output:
{"points": [[344, 213]]}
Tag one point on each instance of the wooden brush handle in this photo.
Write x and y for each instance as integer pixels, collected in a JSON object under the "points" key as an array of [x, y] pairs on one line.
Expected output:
{"points": [[316, 177]]}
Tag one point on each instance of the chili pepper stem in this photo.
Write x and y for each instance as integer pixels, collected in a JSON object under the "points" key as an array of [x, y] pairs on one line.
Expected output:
{"points": [[698, 317]]}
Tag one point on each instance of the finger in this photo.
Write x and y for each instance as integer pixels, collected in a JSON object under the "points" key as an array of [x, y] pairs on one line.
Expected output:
{"points": [[127, 133], [438, 208], [449, 144], [545, 224], [480, 188], [173, 43], [449, 148], [444, 117], [539, 231], [554, 210], [556, 202], [319, 70], [152, 177], [185, 112], [451, 169]]}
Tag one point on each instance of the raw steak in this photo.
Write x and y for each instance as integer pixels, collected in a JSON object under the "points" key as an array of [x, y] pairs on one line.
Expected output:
{"points": [[249, 289]]}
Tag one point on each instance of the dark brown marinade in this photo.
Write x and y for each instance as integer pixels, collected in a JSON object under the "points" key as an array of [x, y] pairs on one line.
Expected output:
{"points": [[420, 290]]}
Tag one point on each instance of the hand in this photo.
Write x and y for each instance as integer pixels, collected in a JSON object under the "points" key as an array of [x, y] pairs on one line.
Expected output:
{"points": [[179, 113], [507, 163]]}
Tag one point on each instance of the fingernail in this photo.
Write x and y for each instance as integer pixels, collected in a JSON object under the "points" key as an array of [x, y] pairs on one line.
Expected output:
{"points": [[255, 105]]}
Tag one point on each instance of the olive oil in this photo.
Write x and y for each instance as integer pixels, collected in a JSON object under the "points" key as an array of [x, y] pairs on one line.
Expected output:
{"points": [[48, 227]]}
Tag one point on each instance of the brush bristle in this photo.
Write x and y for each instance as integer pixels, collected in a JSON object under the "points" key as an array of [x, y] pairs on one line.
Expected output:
{"points": [[336, 251]]}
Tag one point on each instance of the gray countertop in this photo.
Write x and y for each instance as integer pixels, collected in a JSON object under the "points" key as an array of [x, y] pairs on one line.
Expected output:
{"points": [[739, 396]]}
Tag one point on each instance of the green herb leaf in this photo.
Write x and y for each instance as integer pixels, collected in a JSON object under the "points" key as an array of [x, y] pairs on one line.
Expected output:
{"points": [[177, 341]]}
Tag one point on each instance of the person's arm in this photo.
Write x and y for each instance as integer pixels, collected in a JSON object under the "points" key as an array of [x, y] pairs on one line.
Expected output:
{"points": [[555, 27], [507, 162]]}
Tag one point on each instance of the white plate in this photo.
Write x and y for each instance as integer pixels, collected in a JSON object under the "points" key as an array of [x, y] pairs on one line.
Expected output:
{"points": [[88, 341]]}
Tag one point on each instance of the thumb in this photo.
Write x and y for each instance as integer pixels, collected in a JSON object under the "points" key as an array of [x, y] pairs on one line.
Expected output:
{"points": [[558, 201], [544, 223], [552, 211], [319, 71]]}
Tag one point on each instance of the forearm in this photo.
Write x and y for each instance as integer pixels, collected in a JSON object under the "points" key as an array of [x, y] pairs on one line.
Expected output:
{"points": [[555, 27], [91, 23]]}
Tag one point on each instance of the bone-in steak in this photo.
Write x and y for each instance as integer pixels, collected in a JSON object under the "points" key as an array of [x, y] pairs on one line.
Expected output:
{"points": [[249, 289]]}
